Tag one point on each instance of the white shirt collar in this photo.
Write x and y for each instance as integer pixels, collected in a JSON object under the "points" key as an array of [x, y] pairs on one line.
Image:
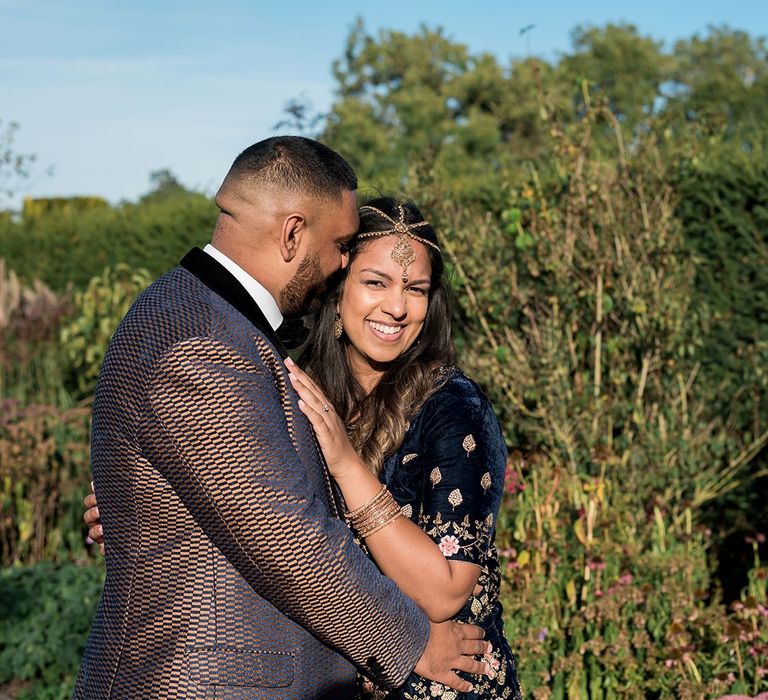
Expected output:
{"points": [[264, 300]]}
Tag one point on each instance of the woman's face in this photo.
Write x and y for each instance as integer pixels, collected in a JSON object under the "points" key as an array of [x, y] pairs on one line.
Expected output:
{"points": [[382, 315]]}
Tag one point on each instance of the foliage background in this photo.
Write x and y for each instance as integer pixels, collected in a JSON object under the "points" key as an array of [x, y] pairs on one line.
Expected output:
{"points": [[605, 219]]}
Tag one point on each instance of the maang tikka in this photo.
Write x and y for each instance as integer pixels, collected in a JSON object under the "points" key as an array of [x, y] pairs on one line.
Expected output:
{"points": [[403, 253]]}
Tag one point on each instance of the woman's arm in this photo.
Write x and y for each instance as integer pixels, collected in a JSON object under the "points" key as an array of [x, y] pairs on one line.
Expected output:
{"points": [[402, 550]]}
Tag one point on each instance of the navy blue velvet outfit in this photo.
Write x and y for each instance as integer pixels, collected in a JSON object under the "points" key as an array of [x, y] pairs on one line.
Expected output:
{"points": [[448, 477]]}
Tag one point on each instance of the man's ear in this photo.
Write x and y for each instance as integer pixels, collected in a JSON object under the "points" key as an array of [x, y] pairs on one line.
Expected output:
{"points": [[292, 231]]}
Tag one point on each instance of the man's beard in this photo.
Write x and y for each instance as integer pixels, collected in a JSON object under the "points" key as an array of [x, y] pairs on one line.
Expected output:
{"points": [[302, 294]]}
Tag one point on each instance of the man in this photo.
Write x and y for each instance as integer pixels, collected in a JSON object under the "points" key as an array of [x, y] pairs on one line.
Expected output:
{"points": [[245, 584]]}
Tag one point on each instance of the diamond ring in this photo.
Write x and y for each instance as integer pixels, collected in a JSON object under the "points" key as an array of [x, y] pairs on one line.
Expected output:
{"points": [[325, 408]]}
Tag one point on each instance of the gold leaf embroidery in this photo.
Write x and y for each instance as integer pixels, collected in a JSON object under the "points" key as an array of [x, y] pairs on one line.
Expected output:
{"points": [[435, 476], [485, 482], [469, 444], [476, 606], [407, 510], [489, 520], [409, 457], [455, 498]]}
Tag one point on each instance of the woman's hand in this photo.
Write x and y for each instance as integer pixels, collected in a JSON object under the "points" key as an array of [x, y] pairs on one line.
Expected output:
{"points": [[92, 519], [339, 454]]}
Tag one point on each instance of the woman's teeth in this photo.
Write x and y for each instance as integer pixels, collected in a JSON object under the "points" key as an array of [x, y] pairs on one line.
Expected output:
{"points": [[387, 330]]}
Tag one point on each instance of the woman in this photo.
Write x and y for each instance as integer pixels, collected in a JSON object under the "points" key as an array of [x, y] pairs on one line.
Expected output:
{"points": [[412, 443]]}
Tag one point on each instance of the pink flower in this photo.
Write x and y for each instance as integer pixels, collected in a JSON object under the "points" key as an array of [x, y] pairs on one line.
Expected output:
{"points": [[449, 545], [436, 690], [514, 485], [625, 579]]}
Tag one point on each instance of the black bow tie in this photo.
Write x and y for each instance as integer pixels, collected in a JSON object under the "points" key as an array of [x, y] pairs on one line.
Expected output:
{"points": [[293, 332]]}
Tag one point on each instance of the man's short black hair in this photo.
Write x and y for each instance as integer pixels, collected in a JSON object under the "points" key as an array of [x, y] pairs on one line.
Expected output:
{"points": [[296, 163]]}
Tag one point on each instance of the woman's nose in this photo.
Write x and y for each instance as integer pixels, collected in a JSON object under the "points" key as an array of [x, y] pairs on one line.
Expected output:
{"points": [[394, 303]]}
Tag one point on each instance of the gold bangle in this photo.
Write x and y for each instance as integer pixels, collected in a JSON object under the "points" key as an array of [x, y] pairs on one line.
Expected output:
{"points": [[372, 516], [351, 515], [381, 523]]}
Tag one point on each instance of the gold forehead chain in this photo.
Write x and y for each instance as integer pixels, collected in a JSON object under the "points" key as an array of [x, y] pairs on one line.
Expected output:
{"points": [[403, 253]]}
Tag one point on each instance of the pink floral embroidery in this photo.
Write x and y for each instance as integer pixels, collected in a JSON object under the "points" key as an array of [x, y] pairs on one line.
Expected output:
{"points": [[449, 545]]}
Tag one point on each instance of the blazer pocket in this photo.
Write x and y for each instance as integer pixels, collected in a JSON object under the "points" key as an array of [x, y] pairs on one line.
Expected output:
{"points": [[238, 666]]}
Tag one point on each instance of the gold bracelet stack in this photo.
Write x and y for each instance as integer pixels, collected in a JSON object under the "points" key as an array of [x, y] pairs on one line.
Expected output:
{"points": [[377, 513]]}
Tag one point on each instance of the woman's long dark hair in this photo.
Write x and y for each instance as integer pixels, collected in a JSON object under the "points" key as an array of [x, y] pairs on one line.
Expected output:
{"points": [[378, 421]]}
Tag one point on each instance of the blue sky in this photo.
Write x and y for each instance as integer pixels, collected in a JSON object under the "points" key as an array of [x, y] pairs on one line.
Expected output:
{"points": [[107, 92]]}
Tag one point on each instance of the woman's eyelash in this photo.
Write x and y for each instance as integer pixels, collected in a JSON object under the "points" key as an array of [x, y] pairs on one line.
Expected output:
{"points": [[378, 283]]}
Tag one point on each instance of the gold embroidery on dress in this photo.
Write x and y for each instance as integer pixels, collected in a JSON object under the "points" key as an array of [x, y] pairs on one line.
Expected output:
{"points": [[409, 457], [407, 510], [435, 476], [455, 498], [485, 482], [469, 444]]}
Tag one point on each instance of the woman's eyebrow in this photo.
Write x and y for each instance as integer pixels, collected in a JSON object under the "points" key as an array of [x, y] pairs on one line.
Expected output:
{"points": [[376, 272], [426, 280]]}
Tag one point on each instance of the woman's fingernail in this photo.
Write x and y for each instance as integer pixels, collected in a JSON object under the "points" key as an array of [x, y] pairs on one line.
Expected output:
{"points": [[289, 361], [291, 376]]}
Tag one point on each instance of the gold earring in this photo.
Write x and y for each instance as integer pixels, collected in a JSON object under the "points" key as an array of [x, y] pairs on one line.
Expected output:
{"points": [[338, 327]]}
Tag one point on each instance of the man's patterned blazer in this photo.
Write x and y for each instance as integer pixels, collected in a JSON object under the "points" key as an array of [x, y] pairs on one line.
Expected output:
{"points": [[229, 574]]}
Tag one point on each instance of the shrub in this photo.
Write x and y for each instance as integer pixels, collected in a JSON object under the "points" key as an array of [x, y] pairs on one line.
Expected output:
{"points": [[32, 365], [602, 601], [153, 234], [44, 463], [45, 616], [99, 309]]}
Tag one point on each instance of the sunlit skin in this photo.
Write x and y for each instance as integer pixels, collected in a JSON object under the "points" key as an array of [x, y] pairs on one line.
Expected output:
{"points": [[382, 315], [290, 242]]}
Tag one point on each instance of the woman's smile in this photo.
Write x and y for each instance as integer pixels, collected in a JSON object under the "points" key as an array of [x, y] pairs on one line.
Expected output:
{"points": [[385, 331]]}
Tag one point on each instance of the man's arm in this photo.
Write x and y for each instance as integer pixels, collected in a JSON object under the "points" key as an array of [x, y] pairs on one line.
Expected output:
{"points": [[224, 446]]}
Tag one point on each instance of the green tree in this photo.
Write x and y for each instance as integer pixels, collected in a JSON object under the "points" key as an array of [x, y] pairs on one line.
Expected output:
{"points": [[164, 184], [623, 68], [422, 108], [723, 76]]}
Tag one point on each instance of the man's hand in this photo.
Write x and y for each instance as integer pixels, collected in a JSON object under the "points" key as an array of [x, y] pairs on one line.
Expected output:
{"points": [[450, 648], [91, 517]]}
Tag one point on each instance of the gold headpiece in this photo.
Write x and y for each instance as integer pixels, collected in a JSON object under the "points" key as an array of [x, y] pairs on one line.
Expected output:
{"points": [[403, 253]]}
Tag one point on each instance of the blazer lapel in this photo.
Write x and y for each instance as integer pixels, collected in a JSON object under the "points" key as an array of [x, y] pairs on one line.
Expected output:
{"points": [[219, 280]]}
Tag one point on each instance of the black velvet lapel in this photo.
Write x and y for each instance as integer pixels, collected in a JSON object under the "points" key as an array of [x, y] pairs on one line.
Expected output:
{"points": [[221, 281]]}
